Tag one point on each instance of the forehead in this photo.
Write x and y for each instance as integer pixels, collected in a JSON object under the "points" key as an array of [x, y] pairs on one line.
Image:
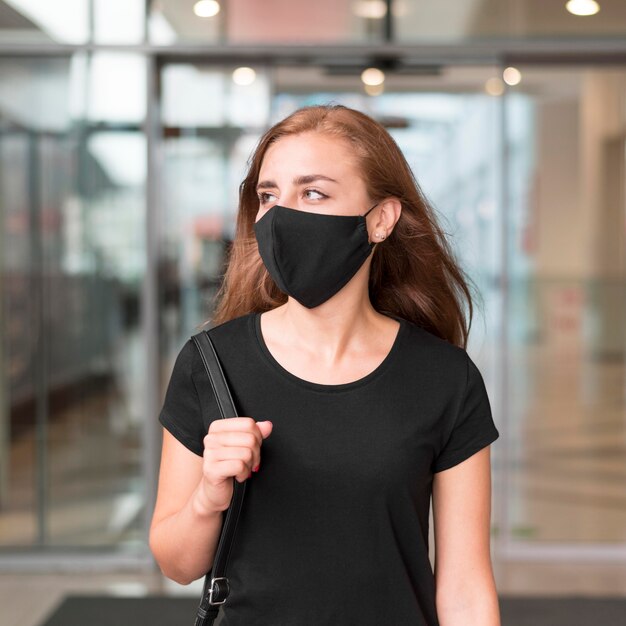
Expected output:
{"points": [[309, 152]]}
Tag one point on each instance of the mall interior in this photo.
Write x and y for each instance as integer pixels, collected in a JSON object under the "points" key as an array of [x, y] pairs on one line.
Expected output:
{"points": [[125, 128]]}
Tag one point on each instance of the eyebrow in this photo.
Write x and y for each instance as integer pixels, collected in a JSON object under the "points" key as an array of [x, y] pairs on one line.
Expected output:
{"points": [[300, 180]]}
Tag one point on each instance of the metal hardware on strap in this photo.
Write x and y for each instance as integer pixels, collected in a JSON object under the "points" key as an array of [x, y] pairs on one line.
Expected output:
{"points": [[212, 590]]}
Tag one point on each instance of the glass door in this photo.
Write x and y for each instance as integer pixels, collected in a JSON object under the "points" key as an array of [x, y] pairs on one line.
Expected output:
{"points": [[445, 120], [525, 167], [72, 178], [566, 247]]}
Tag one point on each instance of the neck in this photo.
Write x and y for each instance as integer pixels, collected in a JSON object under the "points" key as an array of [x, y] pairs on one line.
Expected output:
{"points": [[329, 328]]}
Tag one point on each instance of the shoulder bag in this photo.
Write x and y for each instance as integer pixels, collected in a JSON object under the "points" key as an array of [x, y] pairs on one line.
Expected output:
{"points": [[216, 586]]}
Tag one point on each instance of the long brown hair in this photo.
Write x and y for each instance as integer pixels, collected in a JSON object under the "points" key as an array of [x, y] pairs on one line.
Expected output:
{"points": [[414, 273]]}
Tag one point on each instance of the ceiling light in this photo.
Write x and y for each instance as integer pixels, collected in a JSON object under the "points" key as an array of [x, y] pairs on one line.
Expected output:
{"points": [[582, 7], [244, 76], [373, 76], [494, 86], [370, 9], [512, 76], [206, 8]]}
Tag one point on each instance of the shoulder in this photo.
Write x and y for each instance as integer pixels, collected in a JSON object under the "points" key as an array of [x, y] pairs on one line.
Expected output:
{"points": [[229, 338], [231, 328], [448, 372], [428, 351], [434, 364]]}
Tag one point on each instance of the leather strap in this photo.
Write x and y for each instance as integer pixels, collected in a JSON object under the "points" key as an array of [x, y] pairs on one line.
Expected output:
{"points": [[216, 588]]}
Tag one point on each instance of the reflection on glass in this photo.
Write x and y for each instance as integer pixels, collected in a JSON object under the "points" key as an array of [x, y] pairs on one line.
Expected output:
{"points": [[200, 96], [72, 260], [450, 20], [459, 20], [62, 21], [18, 520], [104, 444], [118, 21], [117, 87], [269, 22], [210, 128], [449, 140], [566, 202], [32, 97]]}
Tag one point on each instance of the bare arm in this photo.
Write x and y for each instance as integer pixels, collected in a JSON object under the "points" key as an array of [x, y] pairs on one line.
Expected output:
{"points": [[194, 492], [183, 533], [465, 588]]}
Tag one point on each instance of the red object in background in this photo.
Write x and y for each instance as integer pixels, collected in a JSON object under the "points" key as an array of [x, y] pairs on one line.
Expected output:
{"points": [[208, 227], [288, 21]]}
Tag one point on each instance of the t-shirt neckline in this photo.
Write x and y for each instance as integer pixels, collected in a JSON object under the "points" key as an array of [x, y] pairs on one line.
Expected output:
{"points": [[255, 320]]}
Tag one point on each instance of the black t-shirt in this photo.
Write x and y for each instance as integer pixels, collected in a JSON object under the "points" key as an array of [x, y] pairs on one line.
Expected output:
{"points": [[334, 526]]}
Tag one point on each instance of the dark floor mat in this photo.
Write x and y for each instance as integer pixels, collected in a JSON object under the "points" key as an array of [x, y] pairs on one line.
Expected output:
{"points": [[562, 611], [88, 610], [82, 610]]}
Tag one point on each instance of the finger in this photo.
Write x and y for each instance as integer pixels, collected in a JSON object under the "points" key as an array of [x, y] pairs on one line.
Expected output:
{"points": [[235, 468], [233, 438], [265, 427], [234, 423], [243, 453], [240, 424]]}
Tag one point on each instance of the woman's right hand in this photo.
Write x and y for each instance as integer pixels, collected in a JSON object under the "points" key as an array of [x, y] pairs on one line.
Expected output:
{"points": [[232, 449]]}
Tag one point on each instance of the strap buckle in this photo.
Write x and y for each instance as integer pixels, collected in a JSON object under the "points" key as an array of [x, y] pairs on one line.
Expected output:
{"points": [[217, 590]]}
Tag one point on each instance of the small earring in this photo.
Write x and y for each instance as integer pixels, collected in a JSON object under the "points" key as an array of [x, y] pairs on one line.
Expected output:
{"points": [[379, 235]]}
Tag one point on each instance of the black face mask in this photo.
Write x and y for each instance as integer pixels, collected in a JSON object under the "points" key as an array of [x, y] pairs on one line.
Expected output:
{"points": [[311, 256]]}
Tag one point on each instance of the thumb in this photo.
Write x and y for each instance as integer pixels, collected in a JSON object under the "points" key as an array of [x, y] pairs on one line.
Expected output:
{"points": [[265, 427]]}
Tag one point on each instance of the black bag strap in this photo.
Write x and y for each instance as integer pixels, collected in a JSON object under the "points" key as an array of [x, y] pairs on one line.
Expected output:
{"points": [[216, 586]]}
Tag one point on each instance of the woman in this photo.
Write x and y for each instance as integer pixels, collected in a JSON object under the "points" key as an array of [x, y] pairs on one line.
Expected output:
{"points": [[340, 329]]}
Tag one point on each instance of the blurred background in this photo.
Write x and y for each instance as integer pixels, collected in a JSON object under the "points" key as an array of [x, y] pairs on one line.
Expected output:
{"points": [[125, 126]]}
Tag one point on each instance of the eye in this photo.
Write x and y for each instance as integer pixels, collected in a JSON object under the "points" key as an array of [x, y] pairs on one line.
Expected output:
{"points": [[319, 193], [263, 196]]}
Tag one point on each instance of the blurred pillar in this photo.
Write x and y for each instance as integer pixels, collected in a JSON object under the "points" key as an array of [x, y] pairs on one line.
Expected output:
{"points": [[4, 408], [603, 123]]}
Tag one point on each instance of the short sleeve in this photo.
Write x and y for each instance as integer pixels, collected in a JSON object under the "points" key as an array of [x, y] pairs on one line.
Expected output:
{"points": [[473, 428], [181, 413]]}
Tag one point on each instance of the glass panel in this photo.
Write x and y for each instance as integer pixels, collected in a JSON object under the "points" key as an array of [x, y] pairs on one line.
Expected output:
{"points": [[34, 125], [111, 75], [209, 129], [458, 20], [566, 131], [18, 517], [271, 21], [445, 123], [449, 20], [329, 21], [73, 257], [62, 21], [119, 21], [213, 96]]}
